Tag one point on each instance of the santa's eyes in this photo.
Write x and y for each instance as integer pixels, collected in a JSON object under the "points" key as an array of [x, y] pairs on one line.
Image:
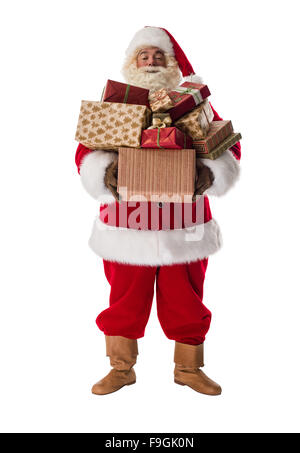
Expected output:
{"points": [[157, 57]]}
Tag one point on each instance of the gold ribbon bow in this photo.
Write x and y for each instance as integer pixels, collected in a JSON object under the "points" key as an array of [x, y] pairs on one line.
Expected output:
{"points": [[160, 120]]}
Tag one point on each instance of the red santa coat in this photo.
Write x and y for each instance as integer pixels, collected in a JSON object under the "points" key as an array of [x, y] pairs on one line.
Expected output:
{"points": [[150, 233]]}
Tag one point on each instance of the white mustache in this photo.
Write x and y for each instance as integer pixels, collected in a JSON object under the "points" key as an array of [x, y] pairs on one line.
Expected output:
{"points": [[152, 69]]}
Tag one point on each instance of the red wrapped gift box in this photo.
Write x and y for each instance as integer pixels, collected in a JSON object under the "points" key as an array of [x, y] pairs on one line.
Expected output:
{"points": [[165, 137], [186, 97], [219, 130], [125, 94]]}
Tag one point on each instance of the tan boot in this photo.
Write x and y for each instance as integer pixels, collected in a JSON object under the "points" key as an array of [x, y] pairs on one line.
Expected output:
{"points": [[188, 358], [122, 353]]}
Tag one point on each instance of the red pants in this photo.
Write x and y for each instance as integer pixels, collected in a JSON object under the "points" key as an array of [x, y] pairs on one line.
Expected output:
{"points": [[179, 293]]}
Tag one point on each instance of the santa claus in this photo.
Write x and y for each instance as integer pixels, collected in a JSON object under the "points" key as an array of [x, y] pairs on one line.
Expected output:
{"points": [[171, 255]]}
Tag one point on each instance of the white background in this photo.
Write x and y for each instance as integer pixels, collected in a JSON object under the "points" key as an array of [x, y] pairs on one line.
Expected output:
{"points": [[55, 53]]}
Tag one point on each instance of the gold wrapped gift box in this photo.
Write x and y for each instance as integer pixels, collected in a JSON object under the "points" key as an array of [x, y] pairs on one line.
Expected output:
{"points": [[197, 122], [160, 101], [229, 141], [109, 125]]}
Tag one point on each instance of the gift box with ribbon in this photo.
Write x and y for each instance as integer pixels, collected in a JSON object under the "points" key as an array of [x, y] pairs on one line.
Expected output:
{"points": [[160, 101], [197, 122], [165, 137], [109, 125], [219, 130], [229, 141], [125, 93], [186, 97], [156, 174]]}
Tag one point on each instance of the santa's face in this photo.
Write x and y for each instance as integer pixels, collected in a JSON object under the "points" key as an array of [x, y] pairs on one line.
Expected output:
{"points": [[152, 69], [150, 57]]}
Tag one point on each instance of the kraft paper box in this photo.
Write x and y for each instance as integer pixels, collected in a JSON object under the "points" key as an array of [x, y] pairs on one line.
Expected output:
{"points": [[218, 131], [109, 125], [166, 137], [229, 141], [160, 101], [186, 97], [125, 93], [156, 175], [197, 122]]}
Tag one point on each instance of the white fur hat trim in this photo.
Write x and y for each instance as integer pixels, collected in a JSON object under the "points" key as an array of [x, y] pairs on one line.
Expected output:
{"points": [[150, 36]]}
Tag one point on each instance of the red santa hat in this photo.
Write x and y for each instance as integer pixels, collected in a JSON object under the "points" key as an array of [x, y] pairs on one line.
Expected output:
{"points": [[160, 37]]}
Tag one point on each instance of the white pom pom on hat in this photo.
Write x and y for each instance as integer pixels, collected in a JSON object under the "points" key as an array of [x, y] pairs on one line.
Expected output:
{"points": [[160, 37], [194, 78]]}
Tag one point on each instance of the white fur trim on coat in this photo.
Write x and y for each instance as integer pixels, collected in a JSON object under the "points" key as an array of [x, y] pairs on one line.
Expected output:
{"points": [[193, 78], [92, 171], [150, 36], [226, 170], [155, 248]]}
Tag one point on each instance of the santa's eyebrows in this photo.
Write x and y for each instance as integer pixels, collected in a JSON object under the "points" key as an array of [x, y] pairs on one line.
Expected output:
{"points": [[147, 52]]}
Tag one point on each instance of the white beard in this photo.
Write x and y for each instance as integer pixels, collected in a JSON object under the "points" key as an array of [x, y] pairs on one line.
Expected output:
{"points": [[145, 77]]}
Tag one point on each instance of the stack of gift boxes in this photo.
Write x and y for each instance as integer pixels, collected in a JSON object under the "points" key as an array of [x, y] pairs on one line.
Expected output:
{"points": [[157, 137]]}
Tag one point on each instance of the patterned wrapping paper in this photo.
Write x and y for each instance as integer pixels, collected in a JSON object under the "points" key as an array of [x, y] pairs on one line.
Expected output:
{"points": [[229, 141], [109, 125], [166, 137], [186, 97], [160, 101], [218, 131], [155, 175], [197, 122], [125, 93]]}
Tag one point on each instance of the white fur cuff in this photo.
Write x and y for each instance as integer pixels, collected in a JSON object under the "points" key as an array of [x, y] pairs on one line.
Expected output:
{"points": [[226, 170], [92, 171]]}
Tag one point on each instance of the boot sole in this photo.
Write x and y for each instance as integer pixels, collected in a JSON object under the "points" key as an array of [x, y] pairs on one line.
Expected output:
{"points": [[113, 391], [177, 382], [202, 393]]}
